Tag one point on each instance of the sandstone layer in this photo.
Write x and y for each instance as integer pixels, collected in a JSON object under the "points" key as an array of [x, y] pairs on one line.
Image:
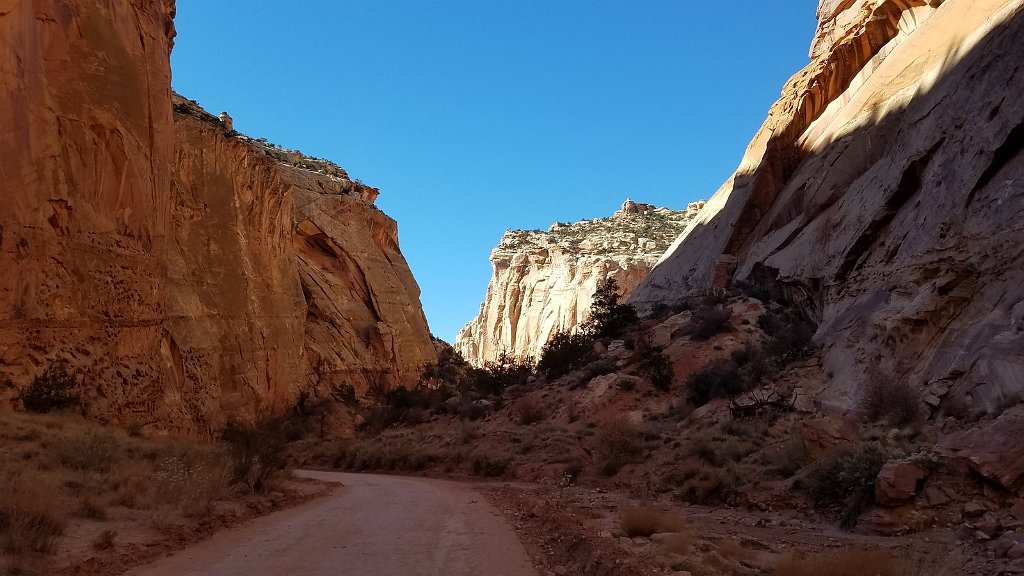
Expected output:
{"points": [[186, 273], [543, 282], [884, 195]]}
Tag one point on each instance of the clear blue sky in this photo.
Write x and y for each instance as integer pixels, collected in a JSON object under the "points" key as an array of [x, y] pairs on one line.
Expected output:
{"points": [[475, 116]]}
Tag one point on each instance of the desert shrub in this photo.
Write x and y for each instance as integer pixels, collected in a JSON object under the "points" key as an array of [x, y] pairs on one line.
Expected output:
{"points": [[346, 394], [471, 411], [91, 509], [753, 289], [52, 390], [644, 521], [564, 353], [406, 406], [490, 465], [708, 484], [528, 410], [193, 480], [790, 336], [503, 373], [30, 520], [608, 316], [618, 443], [844, 480], [790, 456], [657, 365], [708, 321], [90, 452], [843, 562], [257, 450], [894, 401], [717, 380], [105, 540]]}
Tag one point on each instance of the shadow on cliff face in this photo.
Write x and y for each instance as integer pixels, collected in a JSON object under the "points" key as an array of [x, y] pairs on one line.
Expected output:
{"points": [[897, 235]]}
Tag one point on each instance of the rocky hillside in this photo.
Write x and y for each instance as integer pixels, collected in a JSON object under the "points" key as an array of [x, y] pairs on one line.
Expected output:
{"points": [[186, 273], [884, 195], [544, 281]]}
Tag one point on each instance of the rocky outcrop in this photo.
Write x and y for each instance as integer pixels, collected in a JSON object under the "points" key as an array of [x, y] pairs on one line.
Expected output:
{"points": [[187, 274], [544, 282], [884, 196], [995, 450]]}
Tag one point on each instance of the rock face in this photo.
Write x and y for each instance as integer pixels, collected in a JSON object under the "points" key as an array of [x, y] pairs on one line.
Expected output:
{"points": [[884, 194], [179, 268], [544, 281], [994, 450]]}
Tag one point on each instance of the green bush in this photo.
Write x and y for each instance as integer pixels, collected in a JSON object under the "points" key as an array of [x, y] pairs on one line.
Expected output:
{"points": [[52, 390], [564, 353], [496, 376], [657, 365], [845, 479], [609, 317]]}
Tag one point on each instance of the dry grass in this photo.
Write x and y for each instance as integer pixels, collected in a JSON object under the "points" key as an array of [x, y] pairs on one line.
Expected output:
{"points": [[617, 443], [680, 543], [528, 410], [31, 519], [58, 467], [844, 562], [644, 521], [893, 401]]}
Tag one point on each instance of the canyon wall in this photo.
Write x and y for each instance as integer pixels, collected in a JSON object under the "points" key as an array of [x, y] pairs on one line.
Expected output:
{"points": [[885, 195], [543, 282], [167, 259]]}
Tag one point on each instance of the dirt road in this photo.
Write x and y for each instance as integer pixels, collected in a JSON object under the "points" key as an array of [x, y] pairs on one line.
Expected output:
{"points": [[372, 526]]}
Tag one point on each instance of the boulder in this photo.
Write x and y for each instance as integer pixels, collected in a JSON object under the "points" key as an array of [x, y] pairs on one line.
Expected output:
{"points": [[823, 434], [897, 482], [995, 450]]}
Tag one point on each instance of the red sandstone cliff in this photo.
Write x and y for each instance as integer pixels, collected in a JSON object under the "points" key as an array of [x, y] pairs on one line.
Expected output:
{"points": [[176, 266]]}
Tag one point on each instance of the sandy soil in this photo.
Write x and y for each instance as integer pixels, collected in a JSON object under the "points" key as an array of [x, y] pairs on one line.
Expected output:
{"points": [[373, 525]]}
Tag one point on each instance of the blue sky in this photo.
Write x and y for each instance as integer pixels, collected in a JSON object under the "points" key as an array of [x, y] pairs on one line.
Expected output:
{"points": [[475, 116]]}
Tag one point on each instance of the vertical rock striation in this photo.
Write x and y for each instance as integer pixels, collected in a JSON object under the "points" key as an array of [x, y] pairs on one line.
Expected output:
{"points": [[885, 194], [544, 282], [187, 273]]}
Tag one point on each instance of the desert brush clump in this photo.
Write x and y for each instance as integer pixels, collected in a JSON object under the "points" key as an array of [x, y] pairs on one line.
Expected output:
{"points": [[503, 373], [257, 450], [564, 353], [618, 442], [896, 402], [707, 321], [844, 480], [645, 521], [528, 410], [53, 390], [30, 517], [717, 380]]}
